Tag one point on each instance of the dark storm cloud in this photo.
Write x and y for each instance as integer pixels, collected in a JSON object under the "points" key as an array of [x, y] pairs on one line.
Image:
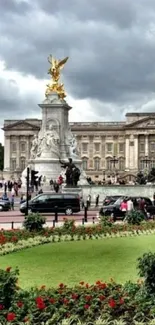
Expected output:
{"points": [[111, 44]]}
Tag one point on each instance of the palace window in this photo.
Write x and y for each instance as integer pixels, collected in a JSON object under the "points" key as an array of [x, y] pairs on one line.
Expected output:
{"points": [[97, 163], [13, 146], [121, 164], [84, 147], [109, 147], [23, 146], [85, 163], [97, 147], [22, 163], [152, 146], [142, 164], [13, 164], [121, 147], [152, 163], [108, 163], [142, 147]]}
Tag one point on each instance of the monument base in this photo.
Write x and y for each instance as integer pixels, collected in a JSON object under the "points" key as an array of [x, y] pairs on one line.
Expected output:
{"points": [[73, 190], [49, 168]]}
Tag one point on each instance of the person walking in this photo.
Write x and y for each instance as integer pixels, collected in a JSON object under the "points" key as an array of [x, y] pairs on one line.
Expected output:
{"points": [[12, 201], [97, 201], [130, 206]]}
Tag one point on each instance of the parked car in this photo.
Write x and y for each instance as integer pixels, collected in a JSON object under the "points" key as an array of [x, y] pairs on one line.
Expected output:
{"points": [[5, 205], [117, 213], [111, 199], [67, 203]]}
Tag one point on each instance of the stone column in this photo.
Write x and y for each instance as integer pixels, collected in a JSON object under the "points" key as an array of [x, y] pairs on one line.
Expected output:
{"points": [[127, 153], [136, 152], [27, 148], [18, 153], [146, 145], [7, 150]]}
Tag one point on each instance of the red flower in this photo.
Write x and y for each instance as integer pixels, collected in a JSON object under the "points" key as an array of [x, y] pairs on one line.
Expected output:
{"points": [[65, 301], [87, 285], [112, 303], [88, 298], [20, 304], [8, 269], [98, 282], [40, 303], [81, 283], [61, 285], [52, 300], [10, 317], [121, 301], [86, 306], [101, 297], [74, 296], [1, 307], [103, 286]]}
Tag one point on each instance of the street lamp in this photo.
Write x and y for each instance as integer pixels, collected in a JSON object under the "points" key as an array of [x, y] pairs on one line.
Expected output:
{"points": [[146, 161], [114, 161]]}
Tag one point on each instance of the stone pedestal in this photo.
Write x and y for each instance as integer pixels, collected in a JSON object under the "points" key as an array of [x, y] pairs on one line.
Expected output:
{"points": [[55, 141]]}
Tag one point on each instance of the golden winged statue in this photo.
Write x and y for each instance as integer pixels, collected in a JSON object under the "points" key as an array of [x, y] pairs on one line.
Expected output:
{"points": [[55, 67]]}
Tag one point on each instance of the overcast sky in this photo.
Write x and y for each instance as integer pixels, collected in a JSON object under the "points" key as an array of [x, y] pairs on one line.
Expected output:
{"points": [[111, 49]]}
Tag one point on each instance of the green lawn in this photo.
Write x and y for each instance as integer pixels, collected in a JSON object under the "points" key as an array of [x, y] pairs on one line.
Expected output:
{"points": [[71, 262]]}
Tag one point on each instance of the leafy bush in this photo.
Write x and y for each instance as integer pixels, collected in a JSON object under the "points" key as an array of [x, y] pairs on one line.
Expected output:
{"points": [[135, 217], [68, 225], [106, 221], [8, 286], [146, 266], [34, 222]]}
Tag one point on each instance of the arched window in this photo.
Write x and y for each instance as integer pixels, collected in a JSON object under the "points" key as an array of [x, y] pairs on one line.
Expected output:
{"points": [[85, 163], [108, 163], [22, 163], [97, 163], [121, 163]]}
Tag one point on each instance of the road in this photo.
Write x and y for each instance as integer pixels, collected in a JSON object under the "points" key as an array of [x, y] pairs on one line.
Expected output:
{"points": [[15, 218]]}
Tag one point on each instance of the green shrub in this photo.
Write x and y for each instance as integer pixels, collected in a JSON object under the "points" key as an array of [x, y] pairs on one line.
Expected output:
{"points": [[106, 221], [34, 222], [8, 286], [146, 266], [135, 217], [68, 225]]}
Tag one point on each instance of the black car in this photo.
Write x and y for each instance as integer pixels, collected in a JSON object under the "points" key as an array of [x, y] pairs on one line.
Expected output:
{"points": [[5, 205], [111, 199], [67, 203], [117, 213]]}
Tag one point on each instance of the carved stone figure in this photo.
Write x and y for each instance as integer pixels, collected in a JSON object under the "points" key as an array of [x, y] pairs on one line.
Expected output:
{"points": [[49, 141], [72, 143], [34, 147]]}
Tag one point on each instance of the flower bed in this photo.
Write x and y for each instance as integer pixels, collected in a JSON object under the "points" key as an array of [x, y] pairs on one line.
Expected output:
{"points": [[14, 240], [104, 302]]}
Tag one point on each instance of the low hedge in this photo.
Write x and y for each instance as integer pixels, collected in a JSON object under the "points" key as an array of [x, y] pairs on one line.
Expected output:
{"points": [[69, 228]]}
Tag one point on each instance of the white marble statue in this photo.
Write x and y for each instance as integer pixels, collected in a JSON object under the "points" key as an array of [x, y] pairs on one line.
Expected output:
{"points": [[34, 148], [49, 142], [72, 143]]}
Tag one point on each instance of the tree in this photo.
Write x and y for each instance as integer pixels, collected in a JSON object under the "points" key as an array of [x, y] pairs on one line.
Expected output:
{"points": [[140, 179], [1, 157]]}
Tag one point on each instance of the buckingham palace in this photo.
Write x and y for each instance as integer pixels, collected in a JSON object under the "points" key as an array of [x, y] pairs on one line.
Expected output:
{"points": [[105, 147]]}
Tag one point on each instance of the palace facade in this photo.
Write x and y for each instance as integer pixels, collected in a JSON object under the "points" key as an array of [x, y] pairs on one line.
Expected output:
{"points": [[106, 148]]}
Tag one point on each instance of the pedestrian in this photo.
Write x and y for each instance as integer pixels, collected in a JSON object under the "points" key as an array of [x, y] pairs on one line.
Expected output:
{"points": [[12, 201], [97, 201], [129, 205]]}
